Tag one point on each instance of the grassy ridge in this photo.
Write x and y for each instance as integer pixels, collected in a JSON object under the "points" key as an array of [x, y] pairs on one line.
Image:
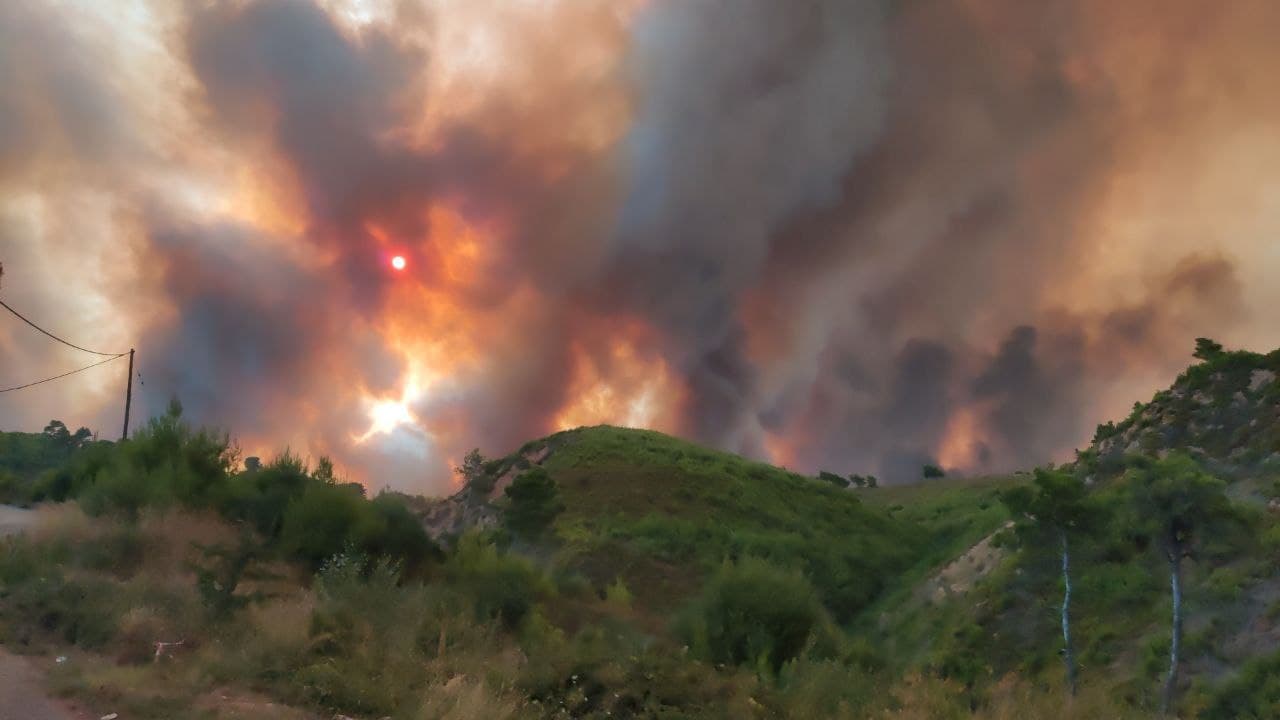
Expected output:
{"points": [[661, 513]]}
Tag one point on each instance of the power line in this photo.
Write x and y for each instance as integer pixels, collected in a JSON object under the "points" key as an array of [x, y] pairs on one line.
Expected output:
{"points": [[55, 337], [59, 377]]}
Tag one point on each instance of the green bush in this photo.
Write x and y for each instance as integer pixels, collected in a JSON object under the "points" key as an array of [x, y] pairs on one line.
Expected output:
{"points": [[752, 613], [389, 529], [262, 496], [534, 503], [1254, 694], [502, 587], [318, 525]]}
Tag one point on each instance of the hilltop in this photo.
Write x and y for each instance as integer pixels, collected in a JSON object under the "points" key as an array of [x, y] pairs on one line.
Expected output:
{"points": [[659, 514], [1224, 411]]}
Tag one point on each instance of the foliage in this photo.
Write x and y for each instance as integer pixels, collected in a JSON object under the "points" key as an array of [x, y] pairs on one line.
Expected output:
{"points": [[1176, 503], [932, 472], [1207, 349], [222, 569], [1055, 504], [502, 586], [834, 479], [534, 503], [472, 471], [320, 523], [1254, 694], [753, 613]]}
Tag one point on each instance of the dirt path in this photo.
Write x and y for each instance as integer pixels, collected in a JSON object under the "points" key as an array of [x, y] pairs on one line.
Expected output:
{"points": [[22, 694], [15, 520]]}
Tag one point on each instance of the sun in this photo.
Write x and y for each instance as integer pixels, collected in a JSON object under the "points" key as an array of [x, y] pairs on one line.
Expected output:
{"points": [[385, 417], [398, 262]]}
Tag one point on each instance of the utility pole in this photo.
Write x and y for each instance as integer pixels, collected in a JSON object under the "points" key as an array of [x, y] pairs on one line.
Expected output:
{"points": [[128, 397]]}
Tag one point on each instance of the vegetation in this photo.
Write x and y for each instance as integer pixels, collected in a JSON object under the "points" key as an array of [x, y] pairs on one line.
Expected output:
{"points": [[753, 613], [1053, 512], [533, 503], [1176, 504], [626, 573]]}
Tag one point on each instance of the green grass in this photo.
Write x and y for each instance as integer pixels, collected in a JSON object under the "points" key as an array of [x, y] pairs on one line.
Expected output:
{"points": [[661, 514]]}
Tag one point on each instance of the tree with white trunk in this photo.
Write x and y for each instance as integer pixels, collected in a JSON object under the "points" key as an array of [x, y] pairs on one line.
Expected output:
{"points": [[1053, 512], [1177, 505]]}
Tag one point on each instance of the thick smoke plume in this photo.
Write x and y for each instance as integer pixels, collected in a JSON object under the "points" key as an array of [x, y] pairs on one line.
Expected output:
{"points": [[853, 235]]}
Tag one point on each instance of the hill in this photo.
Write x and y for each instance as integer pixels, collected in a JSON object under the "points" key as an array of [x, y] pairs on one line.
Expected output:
{"points": [[1224, 411], [1219, 420], [660, 514]]}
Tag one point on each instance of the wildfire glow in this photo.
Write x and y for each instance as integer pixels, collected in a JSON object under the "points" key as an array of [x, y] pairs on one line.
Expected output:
{"points": [[386, 415], [624, 389], [960, 445]]}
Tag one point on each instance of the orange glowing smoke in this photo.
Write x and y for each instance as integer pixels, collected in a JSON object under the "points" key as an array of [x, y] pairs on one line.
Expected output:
{"points": [[624, 388], [961, 444]]}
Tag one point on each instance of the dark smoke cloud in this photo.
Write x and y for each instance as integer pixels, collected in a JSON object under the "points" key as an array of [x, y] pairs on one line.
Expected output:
{"points": [[860, 236]]}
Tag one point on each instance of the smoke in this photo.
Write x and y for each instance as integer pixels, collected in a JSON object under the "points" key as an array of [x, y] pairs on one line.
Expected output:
{"points": [[840, 234]]}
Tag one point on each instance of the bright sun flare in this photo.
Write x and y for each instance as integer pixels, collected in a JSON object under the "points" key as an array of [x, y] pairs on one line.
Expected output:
{"points": [[398, 262], [386, 416]]}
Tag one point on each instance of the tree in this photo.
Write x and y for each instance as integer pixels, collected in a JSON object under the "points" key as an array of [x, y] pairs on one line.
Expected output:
{"points": [[872, 482], [64, 439], [534, 502], [472, 467], [1177, 505], [837, 480], [324, 471], [1055, 507], [1207, 349], [932, 472]]}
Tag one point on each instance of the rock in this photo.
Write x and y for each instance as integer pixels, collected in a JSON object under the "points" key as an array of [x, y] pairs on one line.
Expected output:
{"points": [[1260, 379]]}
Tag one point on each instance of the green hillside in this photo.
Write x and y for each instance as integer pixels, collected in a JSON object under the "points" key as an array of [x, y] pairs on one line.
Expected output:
{"points": [[1218, 421], [661, 514]]}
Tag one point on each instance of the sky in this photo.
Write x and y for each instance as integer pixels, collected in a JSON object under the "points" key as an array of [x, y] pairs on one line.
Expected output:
{"points": [[850, 235]]}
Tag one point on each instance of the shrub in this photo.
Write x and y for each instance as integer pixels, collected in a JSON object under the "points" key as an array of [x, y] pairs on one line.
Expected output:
{"points": [[502, 587], [317, 525], [534, 503], [752, 612], [389, 529], [1254, 694]]}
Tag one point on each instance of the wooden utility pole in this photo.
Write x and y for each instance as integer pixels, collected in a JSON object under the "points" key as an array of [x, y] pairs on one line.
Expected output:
{"points": [[128, 397]]}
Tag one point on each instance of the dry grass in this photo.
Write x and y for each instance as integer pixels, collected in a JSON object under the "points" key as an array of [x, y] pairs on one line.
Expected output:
{"points": [[282, 622], [925, 698], [67, 523], [461, 698]]}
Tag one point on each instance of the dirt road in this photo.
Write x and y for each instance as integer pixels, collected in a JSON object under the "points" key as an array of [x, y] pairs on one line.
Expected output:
{"points": [[15, 520], [22, 694]]}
